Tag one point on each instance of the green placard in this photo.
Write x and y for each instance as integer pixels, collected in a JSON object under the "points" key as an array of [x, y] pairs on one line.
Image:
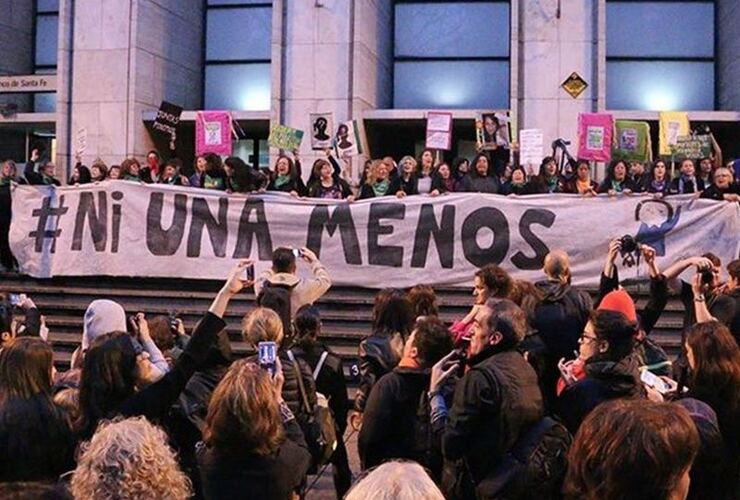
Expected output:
{"points": [[693, 147], [631, 141], [283, 137]]}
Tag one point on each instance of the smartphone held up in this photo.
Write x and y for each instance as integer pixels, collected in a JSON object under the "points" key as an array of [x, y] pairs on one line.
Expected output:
{"points": [[267, 355]]}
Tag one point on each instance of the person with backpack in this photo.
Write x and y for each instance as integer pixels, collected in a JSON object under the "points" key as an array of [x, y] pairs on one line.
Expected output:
{"points": [[495, 404], [281, 290], [396, 421], [329, 377]]}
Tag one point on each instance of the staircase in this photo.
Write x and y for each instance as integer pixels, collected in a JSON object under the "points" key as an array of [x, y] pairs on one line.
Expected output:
{"points": [[345, 311]]}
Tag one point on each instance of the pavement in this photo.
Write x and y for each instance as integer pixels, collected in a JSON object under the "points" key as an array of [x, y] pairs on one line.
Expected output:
{"points": [[322, 485]]}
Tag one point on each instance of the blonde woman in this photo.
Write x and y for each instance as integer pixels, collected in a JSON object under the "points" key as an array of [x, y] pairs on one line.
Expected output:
{"points": [[378, 182], [253, 447], [129, 459], [396, 480]]}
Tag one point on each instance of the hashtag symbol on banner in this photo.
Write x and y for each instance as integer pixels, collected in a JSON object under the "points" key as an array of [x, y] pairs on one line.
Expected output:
{"points": [[43, 213]]}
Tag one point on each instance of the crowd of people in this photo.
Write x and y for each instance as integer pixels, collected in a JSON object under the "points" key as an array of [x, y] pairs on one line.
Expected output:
{"points": [[488, 172], [540, 391]]}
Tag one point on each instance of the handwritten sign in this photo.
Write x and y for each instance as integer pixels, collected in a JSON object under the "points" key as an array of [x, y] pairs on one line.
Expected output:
{"points": [[284, 137]]}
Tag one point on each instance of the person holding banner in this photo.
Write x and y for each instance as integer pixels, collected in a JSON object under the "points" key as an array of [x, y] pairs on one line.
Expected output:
{"points": [[214, 176], [242, 178], [287, 176], [80, 175], [637, 176], [582, 183], [548, 181], [460, 169], [616, 181], [723, 188], [199, 171], [658, 180], [481, 179], [408, 177], [442, 180], [517, 184], [424, 172], [328, 184], [171, 173], [687, 182], [98, 171], [377, 182]]}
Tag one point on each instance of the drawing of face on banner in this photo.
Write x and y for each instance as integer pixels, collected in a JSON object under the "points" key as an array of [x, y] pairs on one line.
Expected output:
{"points": [[595, 138], [628, 140], [321, 126], [213, 133]]}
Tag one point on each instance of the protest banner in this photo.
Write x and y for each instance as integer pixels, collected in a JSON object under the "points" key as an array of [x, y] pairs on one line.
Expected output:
{"points": [[213, 133], [348, 139], [672, 124], [168, 117], [321, 126], [692, 147], [283, 137], [595, 135], [439, 131], [632, 141], [492, 131], [119, 228], [531, 145]]}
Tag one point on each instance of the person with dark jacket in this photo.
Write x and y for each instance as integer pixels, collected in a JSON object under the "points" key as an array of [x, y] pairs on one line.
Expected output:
{"points": [[616, 181], [611, 367], [408, 177], [252, 445], [581, 182], [327, 183], [286, 177], [518, 184], [723, 188], [481, 179], [380, 352], [548, 180], [443, 181], [329, 376], [378, 183], [687, 182], [559, 318], [658, 179], [44, 177], [392, 425], [497, 400]]}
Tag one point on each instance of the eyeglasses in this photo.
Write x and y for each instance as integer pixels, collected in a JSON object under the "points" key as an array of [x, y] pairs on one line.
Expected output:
{"points": [[584, 337]]}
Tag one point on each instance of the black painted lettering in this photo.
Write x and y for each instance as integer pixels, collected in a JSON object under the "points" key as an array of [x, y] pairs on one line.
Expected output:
{"points": [[217, 228], [443, 234], [533, 216], [494, 220], [161, 241], [249, 230], [340, 218], [383, 255], [97, 220]]}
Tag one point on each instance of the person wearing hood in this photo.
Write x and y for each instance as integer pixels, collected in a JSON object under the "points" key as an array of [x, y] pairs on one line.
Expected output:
{"points": [[559, 318], [610, 364], [481, 180], [391, 412]]}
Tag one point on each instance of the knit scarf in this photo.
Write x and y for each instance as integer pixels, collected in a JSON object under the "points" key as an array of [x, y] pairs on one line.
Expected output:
{"points": [[281, 180], [617, 186], [380, 188], [658, 186], [684, 181]]}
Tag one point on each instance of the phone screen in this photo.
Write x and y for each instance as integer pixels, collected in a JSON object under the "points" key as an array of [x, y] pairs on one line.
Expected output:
{"points": [[297, 252], [267, 353], [654, 381], [14, 299], [249, 272]]}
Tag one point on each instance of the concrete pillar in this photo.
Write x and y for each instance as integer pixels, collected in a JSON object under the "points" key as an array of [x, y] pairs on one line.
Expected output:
{"points": [[16, 47], [728, 55]]}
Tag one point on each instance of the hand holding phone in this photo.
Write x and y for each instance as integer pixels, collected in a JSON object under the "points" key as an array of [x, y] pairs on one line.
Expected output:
{"points": [[267, 354], [249, 272], [661, 384], [15, 299]]}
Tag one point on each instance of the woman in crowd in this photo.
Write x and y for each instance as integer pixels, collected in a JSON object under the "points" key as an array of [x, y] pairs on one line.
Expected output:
{"points": [[686, 182], [328, 183], [286, 177], [616, 181], [114, 173], [80, 175], [381, 351], [129, 460], [9, 173], [408, 177], [329, 375], [442, 180], [131, 170], [117, 377], [199, 171], [365, 170], [252, 444], [214, 176], [722, 188], [153, 163], [396, 480], [377, 182], [706, 169], [517, 185], [481, 180], [714, 359], [424, 172], [170, 173], [611, 367], [36, 441], [632, 449], [548, 180], [460, 168], [423, 301], [240, 177], [98, 171], [582, 183], [658, 180], [637, 176]]}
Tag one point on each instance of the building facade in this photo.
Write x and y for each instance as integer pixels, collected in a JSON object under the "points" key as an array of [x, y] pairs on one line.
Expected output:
{"points": [[383, 63]]}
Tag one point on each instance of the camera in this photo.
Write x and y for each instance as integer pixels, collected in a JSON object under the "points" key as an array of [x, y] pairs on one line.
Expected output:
{"points": [[298, 253], [628, 244], [707, 276]]}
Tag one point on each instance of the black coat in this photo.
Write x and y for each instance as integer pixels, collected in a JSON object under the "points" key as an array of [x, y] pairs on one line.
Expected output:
{"points": [[605, 380], [377, 356], [258, 477], [473, 183], [714, 193], [688, 186], [494, 403], [391, 423], [291, 390], [366, 191]]}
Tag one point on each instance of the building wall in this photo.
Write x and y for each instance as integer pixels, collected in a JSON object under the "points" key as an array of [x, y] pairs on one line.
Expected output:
{"points": [[728, 55]]}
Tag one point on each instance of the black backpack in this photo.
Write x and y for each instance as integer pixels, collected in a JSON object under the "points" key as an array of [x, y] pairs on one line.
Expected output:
{"points": [[277, 297]]}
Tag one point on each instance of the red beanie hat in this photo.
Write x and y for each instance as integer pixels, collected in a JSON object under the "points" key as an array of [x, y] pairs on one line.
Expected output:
{"points": [[619, 301]]}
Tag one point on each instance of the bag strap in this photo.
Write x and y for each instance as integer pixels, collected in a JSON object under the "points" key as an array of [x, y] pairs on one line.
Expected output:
{"points": [[299, 379], [320, 364]]}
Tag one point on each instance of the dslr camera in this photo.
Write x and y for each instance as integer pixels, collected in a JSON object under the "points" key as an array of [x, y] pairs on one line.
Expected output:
{"points": [[628, 244]]}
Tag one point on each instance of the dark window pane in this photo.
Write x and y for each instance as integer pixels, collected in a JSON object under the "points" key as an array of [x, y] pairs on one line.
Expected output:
{"points": [[45, 102], [660, 85], [238, 34], [659, 29], [451, 84], [47, 6], [452, 29], [239, 87], [47, 29]]}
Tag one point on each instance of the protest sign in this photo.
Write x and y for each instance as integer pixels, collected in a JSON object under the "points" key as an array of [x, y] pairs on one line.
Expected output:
{"points": [[439, 130], [632, 141], [321, 126], [595, 133], [693, 147], [168, 117], [213, 133], [81, 141], [118, 228], [283, 137], [492, 131], [531, 145], [672, 124], [348, 139]]}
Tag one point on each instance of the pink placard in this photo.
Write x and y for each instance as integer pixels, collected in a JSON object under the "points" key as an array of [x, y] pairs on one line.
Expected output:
{"points": [[213, 133], [595, 135]]}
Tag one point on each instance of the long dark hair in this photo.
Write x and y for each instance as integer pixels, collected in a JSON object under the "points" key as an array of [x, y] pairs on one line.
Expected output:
{"points": [[717, 362], [243, 175], [214, 166], [108, 379], [392, 313], [25, 369]]}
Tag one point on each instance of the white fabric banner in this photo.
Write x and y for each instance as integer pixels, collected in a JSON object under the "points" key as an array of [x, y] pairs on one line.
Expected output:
{"points": [[119, 228]]}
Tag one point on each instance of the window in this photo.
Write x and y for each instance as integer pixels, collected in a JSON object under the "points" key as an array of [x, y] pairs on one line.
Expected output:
{"points": [[237, 62], [46, 42], [653, 68], [451, 54]]}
